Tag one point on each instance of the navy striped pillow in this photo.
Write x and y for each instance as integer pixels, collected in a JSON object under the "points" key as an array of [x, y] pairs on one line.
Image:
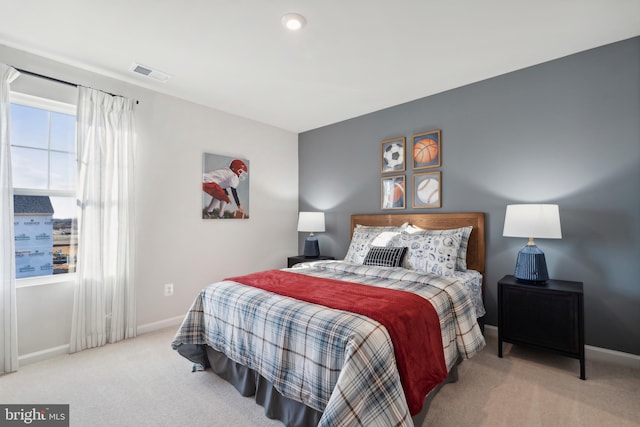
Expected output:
{"points": [[385, 257]]}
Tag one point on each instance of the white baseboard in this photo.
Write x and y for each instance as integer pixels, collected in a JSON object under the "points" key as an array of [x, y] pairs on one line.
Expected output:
{"points": [[49, 353], [592, 353], [613, 356], [155, 326], [38, 356]]}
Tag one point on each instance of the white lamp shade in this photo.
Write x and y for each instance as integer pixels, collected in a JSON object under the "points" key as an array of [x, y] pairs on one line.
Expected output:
{"points": [[311, 221], [539, 221]]}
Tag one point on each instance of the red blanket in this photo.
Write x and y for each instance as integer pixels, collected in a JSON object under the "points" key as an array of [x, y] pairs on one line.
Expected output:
{"points": [[411, 321]]}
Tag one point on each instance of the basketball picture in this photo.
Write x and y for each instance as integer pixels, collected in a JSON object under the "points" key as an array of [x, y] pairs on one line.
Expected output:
{"points": [[392, 155], [393, 192], [426, 190], [425, 150]]}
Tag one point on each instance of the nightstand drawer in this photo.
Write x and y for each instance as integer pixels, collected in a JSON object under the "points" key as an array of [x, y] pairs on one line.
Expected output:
{"points": [[541, 318]]}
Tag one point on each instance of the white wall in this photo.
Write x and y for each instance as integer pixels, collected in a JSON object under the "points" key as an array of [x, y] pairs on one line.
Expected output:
{"points": [[173, 244]]}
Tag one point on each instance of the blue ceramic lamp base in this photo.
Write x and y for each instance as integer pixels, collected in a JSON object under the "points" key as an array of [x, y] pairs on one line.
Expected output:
{"points": [[311, 247], [531, 265]]}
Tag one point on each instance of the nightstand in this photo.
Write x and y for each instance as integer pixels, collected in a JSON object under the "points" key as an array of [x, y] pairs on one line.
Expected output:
{"points": [[293, 260], [548, 316]]}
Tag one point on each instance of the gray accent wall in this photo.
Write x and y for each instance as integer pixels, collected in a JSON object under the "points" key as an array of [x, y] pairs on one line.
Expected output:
{"points": [[565, 132]]}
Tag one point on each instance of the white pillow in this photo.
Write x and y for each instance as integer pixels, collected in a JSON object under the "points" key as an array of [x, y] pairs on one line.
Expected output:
{"points": [[461, 262], [365, 235], [431, 252], [384, 239]]}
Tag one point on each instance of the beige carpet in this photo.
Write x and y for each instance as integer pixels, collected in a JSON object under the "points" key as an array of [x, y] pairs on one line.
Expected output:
{"points": [[534, 388], [142, 382]]}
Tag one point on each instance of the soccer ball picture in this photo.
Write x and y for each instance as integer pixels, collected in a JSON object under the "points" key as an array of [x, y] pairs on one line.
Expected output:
{"points": [[393, 157]]}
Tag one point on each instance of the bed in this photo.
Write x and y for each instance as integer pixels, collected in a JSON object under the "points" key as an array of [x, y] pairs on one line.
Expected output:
{"points": [[367, 340]]}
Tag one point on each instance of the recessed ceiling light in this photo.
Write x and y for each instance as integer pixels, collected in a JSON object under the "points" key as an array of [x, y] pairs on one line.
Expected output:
{"points": [[293, 21]]}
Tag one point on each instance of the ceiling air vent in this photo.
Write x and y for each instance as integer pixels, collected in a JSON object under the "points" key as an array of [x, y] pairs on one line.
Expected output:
{"points": [[149, 72]]}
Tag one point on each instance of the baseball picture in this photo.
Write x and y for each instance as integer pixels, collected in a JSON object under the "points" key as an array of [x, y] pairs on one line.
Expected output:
{"points": [[426, 190], [426, 150]]}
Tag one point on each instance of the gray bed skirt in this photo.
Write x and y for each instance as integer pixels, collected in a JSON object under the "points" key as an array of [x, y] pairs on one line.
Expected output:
{"points": [[276, 406]]}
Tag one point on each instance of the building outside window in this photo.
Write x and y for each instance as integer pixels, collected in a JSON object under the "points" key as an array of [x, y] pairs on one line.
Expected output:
{"points": [[33, 229], [44, 167]]}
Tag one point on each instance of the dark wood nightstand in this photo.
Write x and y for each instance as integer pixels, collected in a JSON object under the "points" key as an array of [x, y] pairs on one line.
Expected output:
{"points": [[293, 260], [548, 316]]}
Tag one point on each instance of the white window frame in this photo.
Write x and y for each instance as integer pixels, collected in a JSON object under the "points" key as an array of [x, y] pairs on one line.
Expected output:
{"points": [[58, 107]]}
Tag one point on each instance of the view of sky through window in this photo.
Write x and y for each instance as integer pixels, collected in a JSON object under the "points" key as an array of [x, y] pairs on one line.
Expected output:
{"points": [[43, 155]]}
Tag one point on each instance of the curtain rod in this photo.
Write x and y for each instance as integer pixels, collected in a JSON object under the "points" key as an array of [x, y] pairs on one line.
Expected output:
{"points": [[53, 79]]}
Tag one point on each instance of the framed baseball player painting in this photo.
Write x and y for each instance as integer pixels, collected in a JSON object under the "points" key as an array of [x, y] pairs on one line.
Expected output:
{"points": [[225, 187]]}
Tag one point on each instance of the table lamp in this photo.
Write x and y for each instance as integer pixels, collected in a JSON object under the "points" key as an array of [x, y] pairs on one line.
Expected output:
{"points": [[311, 222], [532, 221]]}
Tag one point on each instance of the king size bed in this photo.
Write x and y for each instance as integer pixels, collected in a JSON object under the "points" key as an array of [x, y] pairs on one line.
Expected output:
{"points": [[367, 340]]}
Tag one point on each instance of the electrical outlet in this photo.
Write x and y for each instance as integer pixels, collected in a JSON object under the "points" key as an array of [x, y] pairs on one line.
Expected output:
{"points": [[168, 289]]}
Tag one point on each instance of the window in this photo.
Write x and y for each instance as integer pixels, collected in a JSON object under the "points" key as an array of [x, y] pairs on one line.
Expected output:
{"points": [[44, 167]]}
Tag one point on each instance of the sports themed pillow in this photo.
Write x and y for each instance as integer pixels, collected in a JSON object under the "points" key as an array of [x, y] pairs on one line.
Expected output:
{"points": [[431, 252], [461, 261]]}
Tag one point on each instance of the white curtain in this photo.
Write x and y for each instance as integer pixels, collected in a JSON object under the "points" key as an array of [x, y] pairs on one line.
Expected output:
{"points": [[8, 317], [104, 302]]}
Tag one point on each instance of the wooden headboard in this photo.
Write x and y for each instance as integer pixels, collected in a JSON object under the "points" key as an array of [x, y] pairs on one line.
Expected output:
{"points": [[437, 221]]}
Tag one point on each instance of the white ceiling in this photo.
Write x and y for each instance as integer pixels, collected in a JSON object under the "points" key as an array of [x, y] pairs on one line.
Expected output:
{"points": [[353, 57]]}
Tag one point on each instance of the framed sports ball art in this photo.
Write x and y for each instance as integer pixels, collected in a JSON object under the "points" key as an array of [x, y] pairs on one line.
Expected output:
{"points": [[392, 192], [427, 190], [426, 150], [392, 157]]}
